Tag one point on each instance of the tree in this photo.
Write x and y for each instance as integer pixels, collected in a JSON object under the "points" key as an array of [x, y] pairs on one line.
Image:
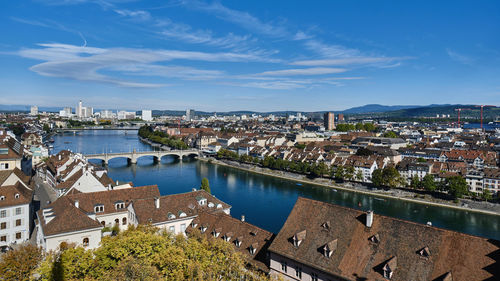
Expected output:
{"points": [[349, 172], [390, 134], [415, 182], [205, 185], [46, 128], [486, 195], [428, 183], [369, 127], [456, 186], [359, 126], [359, 175], [377, 178], [391, 177], [20, 264]]}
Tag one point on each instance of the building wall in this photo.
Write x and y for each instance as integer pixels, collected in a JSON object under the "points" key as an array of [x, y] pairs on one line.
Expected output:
{"points": [[10, 220], [291, 265], [10, 164], [175, 225], [109, 219], [94, 235]]}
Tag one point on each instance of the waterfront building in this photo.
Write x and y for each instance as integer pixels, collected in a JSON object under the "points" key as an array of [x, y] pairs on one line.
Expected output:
{"points": [[147, 115], [329, 121], [125, 115], [34, 110], [107, 114], [322, 241], [79, 109], [11, 154]]}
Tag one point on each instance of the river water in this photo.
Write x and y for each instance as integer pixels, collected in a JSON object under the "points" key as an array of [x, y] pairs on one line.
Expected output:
{"points": [[265, 201]]}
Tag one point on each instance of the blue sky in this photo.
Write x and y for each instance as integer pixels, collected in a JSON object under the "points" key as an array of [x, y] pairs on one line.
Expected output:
{"points": [[248, 55]]}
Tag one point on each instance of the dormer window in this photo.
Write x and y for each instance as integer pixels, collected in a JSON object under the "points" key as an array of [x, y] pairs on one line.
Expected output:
{"points": [[238, 241], [374, 238], [424, 252], [202, 201], [194, 224], [2, 198], [253, 248], [298, 238], [329, 248], [326, 225], [203, 228], [170, 216], [120, 205], [182, 214], [211, 205], [16, 196], [227, 236], [390, 267], [99, 208], [253, 232], [216, 232], [219, 206]]}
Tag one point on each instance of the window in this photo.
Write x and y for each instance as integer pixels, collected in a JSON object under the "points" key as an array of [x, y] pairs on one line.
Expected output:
{"points": [[18, 222], [19, 211], [117, 221], [18, 235], [6, 166], [99, 208], [3, 213], [85, 242], [283, 266], [120, 205], [16, 196], [2, 198], [298, 272], [3, 225], [3, 238], [171, 229], [103, 223], [183, 227], [314, 277], [124, 221]]}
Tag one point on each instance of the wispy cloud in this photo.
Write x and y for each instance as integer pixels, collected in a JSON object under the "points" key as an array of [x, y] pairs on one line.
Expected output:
{"points": [[463, 59], [243, 19], [349, 61], [302, 72], [138, 14], [84, 63]]}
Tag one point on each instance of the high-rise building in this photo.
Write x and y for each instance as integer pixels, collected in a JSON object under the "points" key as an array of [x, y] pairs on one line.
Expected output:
{"points": [[340, 117], [34, 110], [189, 114], [147, 115], [89, 111], [79, 109], [66, 112], [329, 121]]}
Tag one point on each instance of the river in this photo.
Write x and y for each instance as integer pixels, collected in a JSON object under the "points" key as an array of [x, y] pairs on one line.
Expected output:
{"points": [[265, 201]]}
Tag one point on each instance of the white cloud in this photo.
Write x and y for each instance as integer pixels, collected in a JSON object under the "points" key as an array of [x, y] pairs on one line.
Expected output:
{"points": [[459, 57], [138, 14], [302, 72], [84, 63], [349, 61], [243, 19]]}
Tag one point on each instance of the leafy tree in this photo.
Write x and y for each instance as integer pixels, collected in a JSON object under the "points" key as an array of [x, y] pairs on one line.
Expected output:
{"points": [[456, 186], [377, 178], [486, 195], [428, 183], [369, 127], [359, 126], [390, 134], [349, 172], [205, 185], [46, 128], [300, 145], [391, 177], [421, 160], [359, 175], [17, 129], [21, 263], [319, 170], [415, 182]]}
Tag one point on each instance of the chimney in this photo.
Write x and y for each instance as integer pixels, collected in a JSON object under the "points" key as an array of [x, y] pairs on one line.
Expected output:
{"points": [[157, 203], [369, 218], [59, 157], [194, 189], [77, 203], [243, 218]]}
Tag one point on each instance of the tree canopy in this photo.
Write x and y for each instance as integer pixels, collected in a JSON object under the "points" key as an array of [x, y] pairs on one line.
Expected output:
{"points": [[205, 185]]}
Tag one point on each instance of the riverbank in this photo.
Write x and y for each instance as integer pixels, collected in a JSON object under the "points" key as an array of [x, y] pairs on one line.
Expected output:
{"points": [[472, 206]]}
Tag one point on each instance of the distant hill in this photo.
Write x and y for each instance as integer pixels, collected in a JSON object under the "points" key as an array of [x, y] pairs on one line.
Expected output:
{"points": [[374, 108]]}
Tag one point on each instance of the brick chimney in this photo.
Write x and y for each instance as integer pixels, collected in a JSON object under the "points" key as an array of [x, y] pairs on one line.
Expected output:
{"points": [[369, 218]]}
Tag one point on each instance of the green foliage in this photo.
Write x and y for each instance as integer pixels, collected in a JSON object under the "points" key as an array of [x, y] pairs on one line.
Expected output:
{"points": [[390, 134], [345, 127], [20, 264], [421, 160], [456, 186], [428, 183], [388, 177], [46, 128], [300, 145], [369, 127], [486, 195], [415, 182], [205, 185], [78, 123], [339, 173], [147, 132], [17, 129], [144, 253]]}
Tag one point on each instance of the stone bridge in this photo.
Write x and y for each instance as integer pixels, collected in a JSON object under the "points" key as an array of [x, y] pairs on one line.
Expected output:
{"points": [[134, 155]]}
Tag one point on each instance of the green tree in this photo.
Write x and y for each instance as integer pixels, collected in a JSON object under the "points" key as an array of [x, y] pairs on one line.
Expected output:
{"points": [[359, 126], [46, 128], [456, 186], [205, 185], [428, 183], [369, 127], [391, 177], [21, 263], [364, 152], [390, 134], [486, 195], [359, 176], [415, 182], [377, 178], [349, 172]]}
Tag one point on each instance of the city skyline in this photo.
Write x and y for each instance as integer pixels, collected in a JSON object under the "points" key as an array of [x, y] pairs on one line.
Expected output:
{"points": [[222, 56]]}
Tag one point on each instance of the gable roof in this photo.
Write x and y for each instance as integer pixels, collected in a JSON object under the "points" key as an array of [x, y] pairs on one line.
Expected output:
{"points": [[8, 193], [468, 257], [66, 218], [108, 198]]}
